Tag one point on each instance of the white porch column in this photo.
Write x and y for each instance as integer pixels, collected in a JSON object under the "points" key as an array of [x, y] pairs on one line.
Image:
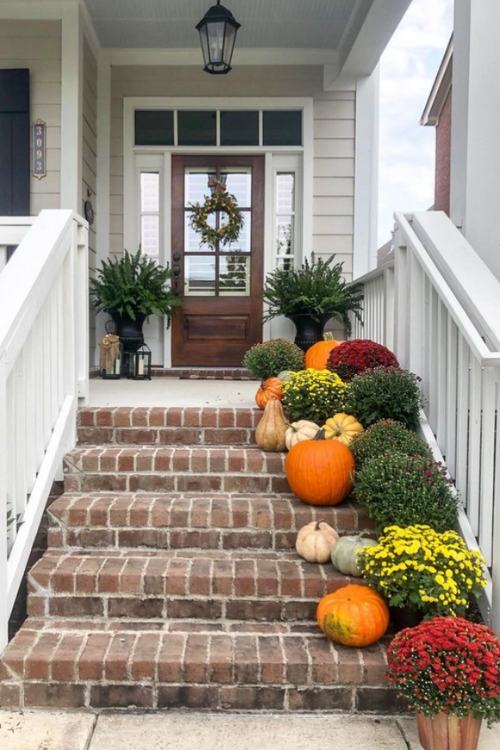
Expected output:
{"points": [[366, 174], [475, 136], [71, 108]]}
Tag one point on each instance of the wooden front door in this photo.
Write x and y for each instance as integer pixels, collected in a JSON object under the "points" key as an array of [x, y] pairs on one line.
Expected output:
{"points": [[221, 314]]}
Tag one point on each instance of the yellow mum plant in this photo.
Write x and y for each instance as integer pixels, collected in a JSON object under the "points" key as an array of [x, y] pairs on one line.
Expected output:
{"points": [[421, 568], [314, 395]]}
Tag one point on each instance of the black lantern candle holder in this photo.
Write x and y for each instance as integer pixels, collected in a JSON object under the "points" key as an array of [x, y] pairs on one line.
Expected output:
{"points": [[139, 363]]}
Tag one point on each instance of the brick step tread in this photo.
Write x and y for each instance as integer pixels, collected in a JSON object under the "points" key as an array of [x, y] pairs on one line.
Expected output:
{"points": [[165, 459], [65, 654], [172, 625], [181, 520], [266, 586], [182, 436], [156, 417]]}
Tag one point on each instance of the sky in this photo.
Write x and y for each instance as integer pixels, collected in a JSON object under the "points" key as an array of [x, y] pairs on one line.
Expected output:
{"points": [[408, 68]]}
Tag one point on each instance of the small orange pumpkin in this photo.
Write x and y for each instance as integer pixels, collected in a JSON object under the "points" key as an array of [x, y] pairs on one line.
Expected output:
{"points": [[320, 471], [270, 388], [317, 354], [353, 615]]}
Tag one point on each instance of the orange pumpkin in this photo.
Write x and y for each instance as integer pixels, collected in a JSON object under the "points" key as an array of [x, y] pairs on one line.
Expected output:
{"points": [[320, 471], [353, 615], [317, 354], [270, 388]]}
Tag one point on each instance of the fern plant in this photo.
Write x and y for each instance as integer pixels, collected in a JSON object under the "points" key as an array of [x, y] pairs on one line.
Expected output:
{"points": [[317, 288], [133, 286]]}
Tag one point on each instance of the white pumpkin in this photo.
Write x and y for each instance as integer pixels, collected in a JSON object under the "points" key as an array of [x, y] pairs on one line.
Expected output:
{"points": [[298, 431], [315, 541]]}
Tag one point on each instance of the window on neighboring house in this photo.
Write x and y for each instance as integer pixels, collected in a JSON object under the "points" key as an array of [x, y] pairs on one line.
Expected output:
{"points": [[150, 213], [285, 213]]}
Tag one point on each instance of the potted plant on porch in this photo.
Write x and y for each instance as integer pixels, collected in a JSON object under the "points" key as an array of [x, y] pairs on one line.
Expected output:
{"points": [[448, 670], [130, 289], [310, 296]]}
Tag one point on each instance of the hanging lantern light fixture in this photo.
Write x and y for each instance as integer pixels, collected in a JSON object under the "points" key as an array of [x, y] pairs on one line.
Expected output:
{"points": [[218, 29]]}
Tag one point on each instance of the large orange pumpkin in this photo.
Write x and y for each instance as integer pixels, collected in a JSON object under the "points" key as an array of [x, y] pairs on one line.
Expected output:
{"points": [[270, 388], [320, 471], [353, 615], [317, 354]]}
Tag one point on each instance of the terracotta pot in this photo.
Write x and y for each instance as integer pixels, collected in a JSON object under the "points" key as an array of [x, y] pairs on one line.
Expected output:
{"points": [[448, 732]]}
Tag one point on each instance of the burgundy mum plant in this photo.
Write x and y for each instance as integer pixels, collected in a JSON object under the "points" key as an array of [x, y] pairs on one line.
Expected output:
{"points": [[356, 356]]}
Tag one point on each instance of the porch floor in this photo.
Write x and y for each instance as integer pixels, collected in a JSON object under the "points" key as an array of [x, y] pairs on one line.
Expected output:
{"points": [[172, 392]]}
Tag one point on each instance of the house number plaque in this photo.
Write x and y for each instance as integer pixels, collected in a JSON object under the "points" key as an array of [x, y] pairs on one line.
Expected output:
{"points": [[39, 149]]}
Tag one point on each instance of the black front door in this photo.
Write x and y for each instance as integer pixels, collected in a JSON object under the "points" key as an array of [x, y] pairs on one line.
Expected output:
{"points": [[15, 142]]}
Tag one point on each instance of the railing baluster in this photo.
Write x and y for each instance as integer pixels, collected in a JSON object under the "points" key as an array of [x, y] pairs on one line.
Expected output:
{"points": [[451, 396], [474, 448], [487, 471]]}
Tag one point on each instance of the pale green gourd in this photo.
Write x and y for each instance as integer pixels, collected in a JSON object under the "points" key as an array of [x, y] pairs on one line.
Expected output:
{"points": [[344, 553]]}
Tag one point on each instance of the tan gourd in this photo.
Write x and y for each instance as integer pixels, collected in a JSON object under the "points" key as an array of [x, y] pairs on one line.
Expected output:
{"points": [[315, 541], [301, 430], [271, 430]]}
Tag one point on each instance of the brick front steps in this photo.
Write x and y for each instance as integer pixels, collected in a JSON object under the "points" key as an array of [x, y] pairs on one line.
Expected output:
{"points": [[171, 579]]}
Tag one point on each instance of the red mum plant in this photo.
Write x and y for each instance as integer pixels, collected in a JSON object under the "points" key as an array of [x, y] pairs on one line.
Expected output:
{"points": [[353, 357], [449, 665]]}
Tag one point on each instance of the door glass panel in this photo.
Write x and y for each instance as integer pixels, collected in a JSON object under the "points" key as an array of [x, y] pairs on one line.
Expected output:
{"points": [[199, 275], [234, 275], [284, 237], [239, 184], [223, 270], [243, 243], [192, 240], [196, 188], [285, 219]]}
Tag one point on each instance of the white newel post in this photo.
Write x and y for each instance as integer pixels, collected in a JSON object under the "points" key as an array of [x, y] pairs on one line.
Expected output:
{"points": [[401, 299], [475, 138]]}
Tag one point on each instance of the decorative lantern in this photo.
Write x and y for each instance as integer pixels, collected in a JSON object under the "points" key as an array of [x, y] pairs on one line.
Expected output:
{"points": [[139, 364], [110, 357], [218, 29]]}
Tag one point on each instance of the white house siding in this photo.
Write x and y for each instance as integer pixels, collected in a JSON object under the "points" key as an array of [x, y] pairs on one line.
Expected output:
{"points": [[37, 45], [333, 136], [89, 159]]}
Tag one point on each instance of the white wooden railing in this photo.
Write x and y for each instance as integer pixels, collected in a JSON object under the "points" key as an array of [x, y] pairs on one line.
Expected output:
{"points": [[437, 306], [13, 229], [43, 372]]}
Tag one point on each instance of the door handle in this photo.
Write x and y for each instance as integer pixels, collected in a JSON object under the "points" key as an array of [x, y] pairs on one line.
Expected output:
{"points": [[176, 257], [176, 270]]}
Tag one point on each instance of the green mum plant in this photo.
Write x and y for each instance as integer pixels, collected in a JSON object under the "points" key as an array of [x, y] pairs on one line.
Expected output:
{"points": [[387, 436], [272, 357], [405, 490], [134, 285], [317, 288], [385, 393]]}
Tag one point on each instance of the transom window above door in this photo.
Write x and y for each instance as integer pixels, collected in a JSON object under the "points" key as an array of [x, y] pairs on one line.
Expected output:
{"points": [[276, 128]]}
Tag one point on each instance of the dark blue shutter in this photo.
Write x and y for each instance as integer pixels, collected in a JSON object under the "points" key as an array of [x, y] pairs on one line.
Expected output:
{"points": [[15, 142]]}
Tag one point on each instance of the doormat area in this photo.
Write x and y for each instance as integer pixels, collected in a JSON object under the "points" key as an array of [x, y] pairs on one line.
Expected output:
{"points": [[203, 373]]}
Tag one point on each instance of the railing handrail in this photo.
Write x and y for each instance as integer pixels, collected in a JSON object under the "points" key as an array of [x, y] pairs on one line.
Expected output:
{"points": [[44, 352], [463, 321], [23, 287]]}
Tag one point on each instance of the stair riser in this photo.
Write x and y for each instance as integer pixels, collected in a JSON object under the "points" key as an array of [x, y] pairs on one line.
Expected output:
{"points": [[122, 695], [208, 436], [173, 608], [160, 482], [157, 418]]}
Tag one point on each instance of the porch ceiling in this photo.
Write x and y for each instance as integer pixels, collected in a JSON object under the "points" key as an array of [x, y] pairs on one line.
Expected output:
{"points": [[314, 24]]}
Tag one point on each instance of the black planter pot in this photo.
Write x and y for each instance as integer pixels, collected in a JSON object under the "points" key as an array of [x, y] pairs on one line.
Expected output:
{"points": [[129, 331], [309, 328], [405, 617]]}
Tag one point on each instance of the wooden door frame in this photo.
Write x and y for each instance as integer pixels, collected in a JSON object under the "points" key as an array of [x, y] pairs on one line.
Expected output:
{"points": [[222, 304]]}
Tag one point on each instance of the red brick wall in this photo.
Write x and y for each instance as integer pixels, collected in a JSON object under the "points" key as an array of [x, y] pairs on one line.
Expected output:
{"points": [[443, 145]]}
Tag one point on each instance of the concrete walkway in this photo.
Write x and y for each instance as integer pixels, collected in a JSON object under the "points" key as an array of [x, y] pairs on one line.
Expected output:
{"points": [[172, 392], [46, 730]]}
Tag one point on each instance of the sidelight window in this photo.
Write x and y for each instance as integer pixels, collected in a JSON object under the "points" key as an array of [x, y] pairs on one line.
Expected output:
{"points": [[150, 213]]}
